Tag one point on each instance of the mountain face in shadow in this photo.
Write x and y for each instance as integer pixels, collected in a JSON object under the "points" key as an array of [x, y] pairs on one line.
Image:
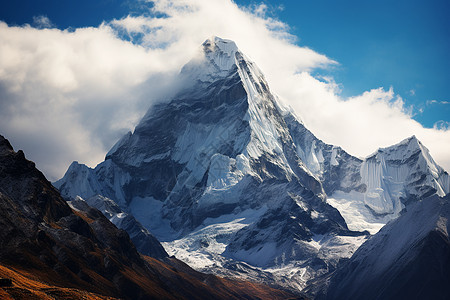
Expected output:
{"points": [[42, 238], [408, 258]]}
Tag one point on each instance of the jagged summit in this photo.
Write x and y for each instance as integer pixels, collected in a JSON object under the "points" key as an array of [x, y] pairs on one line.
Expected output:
{"points": [[4, 144], [220, 52], [217, 44], [6, 148], [412, 138], [391, 178], [412, 153], [412, 143], [217, 59]]}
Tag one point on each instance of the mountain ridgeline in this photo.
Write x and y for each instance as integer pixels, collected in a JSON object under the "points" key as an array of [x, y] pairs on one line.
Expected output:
{"points": [[232, 182], [53, 249]]}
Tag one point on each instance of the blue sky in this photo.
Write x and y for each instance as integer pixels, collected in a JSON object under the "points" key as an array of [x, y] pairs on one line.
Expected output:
{"points": [[404, 44]]}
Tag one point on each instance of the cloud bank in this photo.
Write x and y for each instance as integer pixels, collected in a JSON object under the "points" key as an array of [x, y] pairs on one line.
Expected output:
{"points": [[70, 94]]}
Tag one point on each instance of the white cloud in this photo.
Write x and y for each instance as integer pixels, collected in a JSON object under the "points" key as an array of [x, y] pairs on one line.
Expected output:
{"points": [[260, 10], [441, 125], [361, 124], [69, 95], [42, 22], [430, 102]]}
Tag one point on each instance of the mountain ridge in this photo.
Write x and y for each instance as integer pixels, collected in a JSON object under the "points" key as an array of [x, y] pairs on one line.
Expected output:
{"points": [[231, 181], [408, 258], [50, 250]]}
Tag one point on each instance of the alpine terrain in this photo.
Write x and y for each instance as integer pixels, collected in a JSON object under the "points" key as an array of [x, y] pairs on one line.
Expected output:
{"points": [[408, 259], [232, 182], [51, 249]]}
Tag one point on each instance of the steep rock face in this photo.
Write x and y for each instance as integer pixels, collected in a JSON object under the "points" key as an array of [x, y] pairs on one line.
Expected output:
{"points": [[22, 182], [392, 178], [335, 168], [144, 241], [218, 154], [407, 259], [232, 181], [370, 192], [402, 172]]}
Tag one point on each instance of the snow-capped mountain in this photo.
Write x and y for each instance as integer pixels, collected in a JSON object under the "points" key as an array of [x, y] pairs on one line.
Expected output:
{"points": [[409, 258], [232, 182], [392, 177]]}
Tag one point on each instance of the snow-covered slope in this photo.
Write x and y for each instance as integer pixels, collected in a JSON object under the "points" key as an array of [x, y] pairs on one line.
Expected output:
{"points": [[407, 259], [372, 191], [232, 182], [392, 177]]}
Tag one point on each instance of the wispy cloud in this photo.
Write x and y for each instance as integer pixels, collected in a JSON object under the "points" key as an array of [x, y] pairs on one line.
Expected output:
{"points": [[431, 102], [42, 22], [441, 125], [70, 95]]}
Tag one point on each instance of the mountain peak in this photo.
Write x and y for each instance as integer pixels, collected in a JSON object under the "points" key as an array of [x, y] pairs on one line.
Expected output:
{"points": [[5, 146], [412, 140], [220, 52], [409, 145], [217, 58], [216, 44]]}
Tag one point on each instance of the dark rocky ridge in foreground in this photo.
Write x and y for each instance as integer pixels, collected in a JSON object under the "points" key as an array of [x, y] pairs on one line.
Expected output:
{"points": [[41, 235]]}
